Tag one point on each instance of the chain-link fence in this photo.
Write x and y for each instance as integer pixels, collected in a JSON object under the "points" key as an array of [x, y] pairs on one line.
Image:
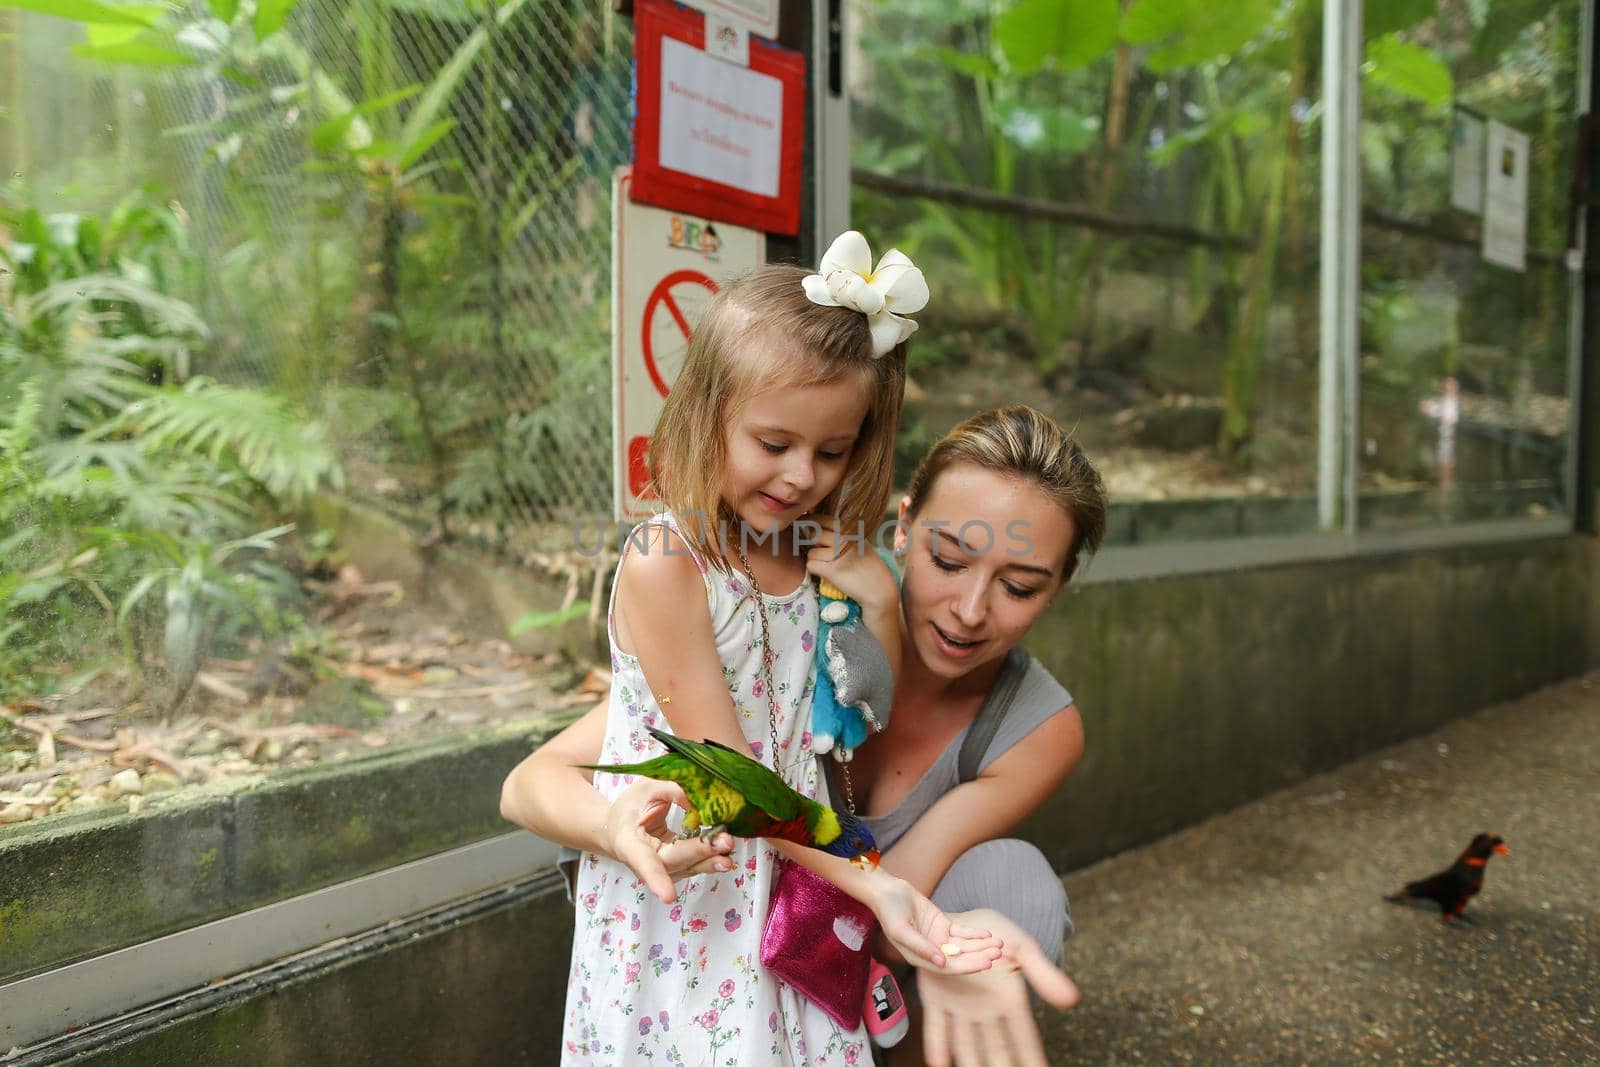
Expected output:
{"points": [[397, 214]]}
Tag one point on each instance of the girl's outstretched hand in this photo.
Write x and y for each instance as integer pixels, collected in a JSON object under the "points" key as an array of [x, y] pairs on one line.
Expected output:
{"points": [[638, 835], [976, 1019], [927, 937]]}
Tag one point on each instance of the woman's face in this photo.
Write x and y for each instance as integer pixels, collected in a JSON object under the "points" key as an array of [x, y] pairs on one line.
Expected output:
{"points": [[985, 557]]}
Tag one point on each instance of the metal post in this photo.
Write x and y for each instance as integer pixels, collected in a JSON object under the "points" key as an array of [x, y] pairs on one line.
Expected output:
{"points": [[830, 103], [1337, 407], [1583, 288]]}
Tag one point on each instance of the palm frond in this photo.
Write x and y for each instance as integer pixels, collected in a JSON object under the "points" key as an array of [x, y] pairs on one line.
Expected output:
{"points": [[273, 444], [77, 383], [175, 493], [16, 432], [167, 315]]}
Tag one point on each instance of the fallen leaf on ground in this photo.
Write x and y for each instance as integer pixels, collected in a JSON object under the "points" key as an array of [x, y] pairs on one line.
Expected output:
{"points": [[597, 681], [212, 684]]}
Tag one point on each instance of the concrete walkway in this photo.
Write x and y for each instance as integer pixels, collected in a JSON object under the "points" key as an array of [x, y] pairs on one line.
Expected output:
{"points": [[1259, 936]]}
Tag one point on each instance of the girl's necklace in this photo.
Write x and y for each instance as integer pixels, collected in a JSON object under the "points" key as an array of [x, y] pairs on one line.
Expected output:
{"points": [[766, 679]]}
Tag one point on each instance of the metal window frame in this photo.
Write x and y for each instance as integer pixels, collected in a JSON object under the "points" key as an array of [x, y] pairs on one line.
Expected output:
{"points": [[142, 976], [1576, 257], [830, 104], [1340, 297]]}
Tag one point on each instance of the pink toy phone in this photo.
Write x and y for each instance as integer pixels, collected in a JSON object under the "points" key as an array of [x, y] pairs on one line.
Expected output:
{"points": [[885, 1010]]}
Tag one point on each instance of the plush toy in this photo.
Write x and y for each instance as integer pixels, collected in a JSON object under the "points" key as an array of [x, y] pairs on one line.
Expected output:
{"points": [[855, 684]]}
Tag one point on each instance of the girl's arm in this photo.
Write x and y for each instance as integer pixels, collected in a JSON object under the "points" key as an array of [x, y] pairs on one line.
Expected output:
{"points": [[661, 612], [547, 794], [1007, 791], [662, 618]]}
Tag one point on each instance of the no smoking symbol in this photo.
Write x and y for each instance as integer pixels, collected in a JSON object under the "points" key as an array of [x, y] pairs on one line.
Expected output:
{"points": [[677, 301]]}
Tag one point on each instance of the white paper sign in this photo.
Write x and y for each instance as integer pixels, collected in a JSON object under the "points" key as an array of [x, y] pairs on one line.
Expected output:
{"points": [[1466, 164], [759, 16], [718, 121], [1505, 197], [666, 266]]}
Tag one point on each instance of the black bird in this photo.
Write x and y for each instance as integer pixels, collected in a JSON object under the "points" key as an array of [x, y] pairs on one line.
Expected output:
{"points": [[1452, 887]]}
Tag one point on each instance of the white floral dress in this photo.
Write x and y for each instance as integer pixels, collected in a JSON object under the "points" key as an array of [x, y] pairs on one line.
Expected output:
{"points": [[683, 984]]}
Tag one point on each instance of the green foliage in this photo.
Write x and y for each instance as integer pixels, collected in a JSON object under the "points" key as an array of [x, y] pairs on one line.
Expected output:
{"points": [[1033, 33], [535, 619], [208, 591], [339, 191], [270, 16], [1504, 24], [270, 442], [1155, 109], [1186, 33], [1409, 70], [90, 11], [119, 481], [1390, 16]]}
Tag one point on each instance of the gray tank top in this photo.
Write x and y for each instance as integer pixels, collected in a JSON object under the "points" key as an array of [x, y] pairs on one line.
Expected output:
{"points": [[1038, 697]]}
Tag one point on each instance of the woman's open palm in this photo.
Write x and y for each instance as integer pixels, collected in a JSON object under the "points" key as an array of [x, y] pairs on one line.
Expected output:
{"points": [[975, 1019]]}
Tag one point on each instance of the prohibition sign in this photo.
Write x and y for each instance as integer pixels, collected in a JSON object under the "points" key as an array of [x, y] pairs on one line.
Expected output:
{"points": [[666, 326]]}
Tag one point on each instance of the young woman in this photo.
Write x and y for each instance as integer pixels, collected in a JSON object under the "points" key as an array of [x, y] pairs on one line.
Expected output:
{"points": [[996, 522]]}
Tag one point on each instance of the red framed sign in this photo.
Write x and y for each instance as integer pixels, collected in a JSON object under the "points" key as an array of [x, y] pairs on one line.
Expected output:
{"points": [[712, 137]]}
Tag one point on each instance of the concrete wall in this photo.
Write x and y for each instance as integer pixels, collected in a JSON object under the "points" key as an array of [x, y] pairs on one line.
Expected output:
{"points": [[1198, 693], [481, 988], [1201, 693]]}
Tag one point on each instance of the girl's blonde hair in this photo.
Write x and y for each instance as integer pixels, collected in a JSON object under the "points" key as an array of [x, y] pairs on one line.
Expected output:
{"points": [[1021, 442], [767, 311]]}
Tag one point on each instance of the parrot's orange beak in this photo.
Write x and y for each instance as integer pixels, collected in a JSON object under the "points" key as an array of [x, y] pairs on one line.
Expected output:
{"points": [[1502, 850], [868, 861]]}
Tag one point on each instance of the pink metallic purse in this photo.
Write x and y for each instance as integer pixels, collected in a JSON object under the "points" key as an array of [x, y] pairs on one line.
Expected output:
{"points": [[817, 939]]}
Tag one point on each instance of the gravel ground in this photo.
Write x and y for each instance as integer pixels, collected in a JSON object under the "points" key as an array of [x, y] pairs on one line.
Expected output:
{"points": [[1260, 936]]}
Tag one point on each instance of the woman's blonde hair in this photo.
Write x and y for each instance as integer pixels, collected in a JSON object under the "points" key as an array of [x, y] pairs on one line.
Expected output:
{"points": [[1021, 442], [722, 370]]}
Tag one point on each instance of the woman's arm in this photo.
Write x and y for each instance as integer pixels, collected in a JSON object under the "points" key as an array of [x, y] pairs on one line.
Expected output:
{"points": [[1007, 791], [548, 794], [972, 1016], [917, 929]]}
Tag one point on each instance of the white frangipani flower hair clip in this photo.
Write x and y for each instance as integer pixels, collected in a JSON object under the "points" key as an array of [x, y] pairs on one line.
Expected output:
{"points": [[896, 288]]}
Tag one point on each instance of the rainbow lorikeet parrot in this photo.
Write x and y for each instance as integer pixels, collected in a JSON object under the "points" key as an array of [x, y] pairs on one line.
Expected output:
{"points": [[729, 791]]}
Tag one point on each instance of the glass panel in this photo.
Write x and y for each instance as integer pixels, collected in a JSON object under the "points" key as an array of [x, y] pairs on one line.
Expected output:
{"points": [[352, 266], [1146, 265], [1464, 361]]}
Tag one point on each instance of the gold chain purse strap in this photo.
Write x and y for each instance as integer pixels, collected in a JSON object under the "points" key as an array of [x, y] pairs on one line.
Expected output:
{"points": [[794, 947], [766, 679]]}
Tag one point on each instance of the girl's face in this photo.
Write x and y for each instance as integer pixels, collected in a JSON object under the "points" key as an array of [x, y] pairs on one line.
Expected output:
{"points": [[985, 557], [788, 449]]}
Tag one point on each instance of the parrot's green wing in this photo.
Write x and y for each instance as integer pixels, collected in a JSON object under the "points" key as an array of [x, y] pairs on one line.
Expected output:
{"points": [[756, 783]]}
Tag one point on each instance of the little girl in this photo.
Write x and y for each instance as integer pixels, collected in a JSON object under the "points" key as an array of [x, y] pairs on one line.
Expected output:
{"points": [[786, 406]]}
